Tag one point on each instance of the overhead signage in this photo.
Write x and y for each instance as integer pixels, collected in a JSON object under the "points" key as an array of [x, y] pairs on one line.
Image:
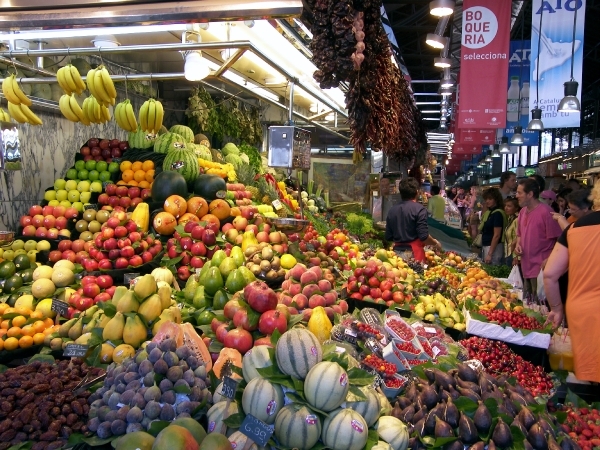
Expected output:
{"points": [[466, 149], [475, 136]]}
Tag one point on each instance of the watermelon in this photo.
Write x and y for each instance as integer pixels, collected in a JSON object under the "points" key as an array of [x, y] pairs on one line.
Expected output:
{"points": [[368, 408], [256, 358], [162, 130], [207, 186], [140, 139], [184, 131], [215, 415], [298, 350], [168, 142], [326, 386], [230, 148], [168, 183], [296, 426], [393, 431], [202, 151], [263, 400], [345, 429], [190, 168]]}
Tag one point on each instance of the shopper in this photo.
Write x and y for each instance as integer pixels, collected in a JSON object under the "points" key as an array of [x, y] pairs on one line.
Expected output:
{"points": [[579, 247], [508, 183], [477, 208], [536, 234], [540, 181], [437, 204], [561, 201], [461, 204], [511, 208], [549, 198], [492, 227], [579, 205], [406, 223], [573, 184], [453, 194]]}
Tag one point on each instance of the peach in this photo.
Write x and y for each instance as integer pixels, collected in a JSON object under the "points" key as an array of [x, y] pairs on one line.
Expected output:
{"points": [[306, 314], [316, 300], [309, 290], [297, 271], [344, 305], [308, 277], [330, 312], [317, 271], [286, 284], [300, 300], [324, 285], [337, 309], [295, 288], [286, 300], [330, 298]]}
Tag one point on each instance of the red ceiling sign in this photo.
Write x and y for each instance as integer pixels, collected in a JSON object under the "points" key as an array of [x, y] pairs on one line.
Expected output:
{"points": [[468, 149], [475, 136]]}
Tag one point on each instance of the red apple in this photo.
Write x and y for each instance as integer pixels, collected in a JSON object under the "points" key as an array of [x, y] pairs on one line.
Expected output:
{"points": [[103, 199], [262, 236], [41, 232], [84, 303], [77, 245], [106, 264], [183, 273], [240, 223], [146, 193], [91, 290], [55, 256], [90, 265], [102, 297], [48, 210], [136, 261], [25, 220], [131, 226], [61, 223], [209, 237], [35, 210], [121, 263], [69, 254], [111, 189], [37, 220], [134, 192], [196, 262], [110, 243], [147, 257], [120, 231], [71, 213], [127, 252]]}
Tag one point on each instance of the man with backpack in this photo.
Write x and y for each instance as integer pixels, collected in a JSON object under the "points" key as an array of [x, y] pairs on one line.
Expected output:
{"points": [[493, 224]]}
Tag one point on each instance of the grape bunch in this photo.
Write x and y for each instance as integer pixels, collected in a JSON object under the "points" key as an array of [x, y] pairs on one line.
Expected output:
{"points": [[416, 266]]}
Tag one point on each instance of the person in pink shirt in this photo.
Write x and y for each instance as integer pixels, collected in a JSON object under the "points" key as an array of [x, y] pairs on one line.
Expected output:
{"points": [[537, 233]]}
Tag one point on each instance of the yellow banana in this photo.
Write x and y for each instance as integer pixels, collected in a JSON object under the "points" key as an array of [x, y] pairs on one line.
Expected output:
{"points": [[90, 81], [60, 77], [65, 108], [19, 93], [4, 117], [7, 90], [117, 114], [75, 108], [85, 109], [130, 115], [124, 117], [103, 96], [144, 116], [16, 113], [159, 116], [109, 86], [77, 78], [69, 80], [31, 116], [105, 113], [151, 116], [97, 109]]}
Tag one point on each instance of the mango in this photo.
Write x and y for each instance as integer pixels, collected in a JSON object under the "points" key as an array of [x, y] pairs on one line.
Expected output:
{"points": [[193, 427], [113, 331], [213, 281], [151, 308], [218, 257], [145, 287], [134, 332], [175, 437], [137, 440]]}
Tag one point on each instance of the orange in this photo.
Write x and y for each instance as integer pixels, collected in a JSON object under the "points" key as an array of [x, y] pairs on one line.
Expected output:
{"points": [[9, 310], [143, 184], [49, 322], [5, 325], [150, 175], [139, 175], [38, 338], [132, 183], [148, 165], [11, 343], [127, 175], [27, 330], [121, 183], [39, 326], [23, 311], [14, 331], [2, 332], [26, 342], [19, 321], [136, 166], [1, 344], [3, 307], [125, 165], [36, 315]]}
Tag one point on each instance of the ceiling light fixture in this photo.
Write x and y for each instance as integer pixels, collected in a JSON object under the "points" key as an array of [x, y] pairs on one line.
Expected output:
{"points": [[275, 80], [570, 102], [447, 82], [445, 92], [488, 157], [504, 147], [441, 8], [517, 137], [314, 108], [442, 62], [195, 67], [496, 151], [536, 123], [435, 41]]}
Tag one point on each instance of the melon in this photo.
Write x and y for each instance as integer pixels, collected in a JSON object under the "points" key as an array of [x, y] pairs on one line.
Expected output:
{"points": [[189, 169], [393, 431], [298, 350], [234, 160], [140, 139], [202, 151], [382, 445], [263, 400], [168, 183], [215, 415], [239, 440], [229, 149], [217, 156], [255, 358], [368, 408], [326, 386], [184, 131], [167, 142], [296, 426], [162, 130], [207, 186], [345, 429]]}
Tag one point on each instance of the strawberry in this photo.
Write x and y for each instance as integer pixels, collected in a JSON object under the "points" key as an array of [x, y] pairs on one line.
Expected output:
{"points": [[587, 433]]}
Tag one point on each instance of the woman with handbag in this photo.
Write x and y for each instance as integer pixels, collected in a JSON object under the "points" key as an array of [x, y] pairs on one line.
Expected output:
{"points": [[493, 224]]}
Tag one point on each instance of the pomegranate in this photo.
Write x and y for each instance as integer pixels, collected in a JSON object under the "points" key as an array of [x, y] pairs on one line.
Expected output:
{"points": [[271, 321], [239, 339], [221, 332], [260, 297], [231, 307], [241, 319], [215, 324], [265, 340]]}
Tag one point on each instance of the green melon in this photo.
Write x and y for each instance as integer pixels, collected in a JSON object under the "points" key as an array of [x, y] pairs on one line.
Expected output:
{"points": [[326, 386], [202, 151], [184, 131], [393, 431], [298, 350], [296, 426], [255, 358], [262, 399], [368, 408], [140, 139], [215, 415], [234, 160], [189, 169], [345, 429], [168, 142]]}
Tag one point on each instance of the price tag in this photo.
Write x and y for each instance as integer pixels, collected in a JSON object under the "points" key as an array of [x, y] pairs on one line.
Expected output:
{"points": [[430, 330], [257, 430], [128, 278], [75, 350], [276, 205], [93, 206], [59, 307], [435, 351], [229, 388]]}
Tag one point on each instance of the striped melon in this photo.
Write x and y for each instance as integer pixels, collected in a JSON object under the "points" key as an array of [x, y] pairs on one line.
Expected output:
{"points": [[296, 426], [369, 408], [140, 139], [184, 131], [393, 431], [217, 397], [326, 386], [238, 441], [189, 169], [345, 429], [255, 358], [168, 142], [263, 400], [297, 351], [202, 151], [215, 415]]}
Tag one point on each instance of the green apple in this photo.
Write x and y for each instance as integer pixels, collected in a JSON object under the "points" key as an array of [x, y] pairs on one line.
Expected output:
{"points": [[71, 185], [83, 174], [104, 176], [20, 252], [113, 167], [78, 206], [59, 184], [32, 255], [73, 196], [93, 175], [90, 164], [66, 203], [84, 197], [50, 195], [43, 246], [30, 245], [101, 166], [96, 186], [72, 174], [18, 244], [53, 203], [80, 165], [62, 195], [83, 186]]}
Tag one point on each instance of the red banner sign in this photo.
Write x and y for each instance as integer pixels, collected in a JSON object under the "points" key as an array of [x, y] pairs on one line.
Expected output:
{"points": [[467, 149], [475, 136], [484, 65]]}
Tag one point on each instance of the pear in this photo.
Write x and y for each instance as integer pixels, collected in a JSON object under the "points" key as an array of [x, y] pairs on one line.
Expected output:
{"points": [[63, 330], [151, 308], [76, 330], [119, 292], [455, 316], [113, 331], [128, 303], [165, 296], [134, 332], [443, 312]]}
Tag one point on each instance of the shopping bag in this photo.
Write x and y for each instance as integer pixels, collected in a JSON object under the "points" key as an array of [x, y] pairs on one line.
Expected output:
{"points": [[541, 294], [515, 278], [477, 241]]}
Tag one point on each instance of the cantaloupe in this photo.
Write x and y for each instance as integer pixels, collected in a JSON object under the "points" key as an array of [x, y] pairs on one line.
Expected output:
{"points": [[368, 408], [255, 358], [296, 426], [238, 441], [393, 431], [297, 351], [345, 429], [263, 400], [215, 415], [326, 386]]}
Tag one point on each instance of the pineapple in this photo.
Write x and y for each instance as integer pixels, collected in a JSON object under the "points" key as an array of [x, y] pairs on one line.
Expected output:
{"points": [[271, 194], [246, 175]]}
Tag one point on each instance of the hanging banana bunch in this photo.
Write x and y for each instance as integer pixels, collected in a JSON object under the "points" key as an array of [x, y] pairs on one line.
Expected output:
{"points": [[151, 116], [18, 102], [70, 108], [4, 116], [101, 86], [94, 112], [125, 116], [69, 79]]}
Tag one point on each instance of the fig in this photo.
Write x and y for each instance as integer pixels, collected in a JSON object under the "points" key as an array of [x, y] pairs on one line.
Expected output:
{"points": [[482, 419], [536, 437], [454, 393], [404, 402], [114, 401], [478, 446], [443, 379], [198, 382], [93, 424], [168, 397], [491, 445], [155, 355], [431, 416], [130, 376], [165, 385], [509, 407], [122, 412], [396, 411], [200, 371], [469, 394], [153, 393], [517, 423], [161, 367], [193, 362], [527, 445], [468, 385], [183, 352], [494, 393], [151, 346], [189, 377], [552, 444], [120, 388], [111, 416], [407, 414], [456, 445], [196, 394], [145, 367], [102, 412], [546, 428], [133, 427], [444, 395], [133, 386], [174, 373], [118, 427], [568, 444], [428, 397], [442, 429], [171, 358], [430, 375], [420, 428], [411, 393], [184, 407], [467, 431], [526, 417], [152, 410], [149, 379], [135, 415], [517, 398], [451, 414], [420, 414], [487, 382], [168, 345], [501, 435], [103, 430], [167, 413], [466, 373]]}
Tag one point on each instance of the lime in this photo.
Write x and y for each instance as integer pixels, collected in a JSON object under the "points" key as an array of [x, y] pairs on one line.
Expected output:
{"points": [[83, 174], [104, 175], [80, 165], [90, 164], [205, 318], [101, 166], [113, 167], [93, 175], [72, 174]]}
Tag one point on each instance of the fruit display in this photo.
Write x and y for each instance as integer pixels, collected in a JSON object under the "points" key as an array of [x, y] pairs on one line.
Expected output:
{"points": [[125, 116], [439, 309], [31, 248], [50, 222], [69, 79], [138, 173], [101, 86], [452, 278], [22, 327], [94, 289], [124, 196], [104, 150], [581, 424], [487, 294], [513, 319]]}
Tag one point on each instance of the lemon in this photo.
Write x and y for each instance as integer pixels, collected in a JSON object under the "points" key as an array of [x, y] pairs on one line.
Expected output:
{"points": [[45, 306], [122, 352], [43, 246], [287, 261]]}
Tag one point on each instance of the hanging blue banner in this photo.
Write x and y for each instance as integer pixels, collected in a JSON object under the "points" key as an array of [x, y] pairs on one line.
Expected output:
{"points": [[517, 97]]}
